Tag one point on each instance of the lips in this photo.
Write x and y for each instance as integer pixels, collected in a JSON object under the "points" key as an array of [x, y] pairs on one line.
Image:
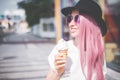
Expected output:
{"points": [[73, 30]]}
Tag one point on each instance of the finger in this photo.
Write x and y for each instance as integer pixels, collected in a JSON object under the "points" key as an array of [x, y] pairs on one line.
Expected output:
{"points": [[59, 58], [60, 62], [60, 66]]}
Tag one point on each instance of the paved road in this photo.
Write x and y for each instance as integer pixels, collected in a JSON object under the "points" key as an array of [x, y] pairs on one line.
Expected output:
{"points": [[24, 61], [28, 61]]}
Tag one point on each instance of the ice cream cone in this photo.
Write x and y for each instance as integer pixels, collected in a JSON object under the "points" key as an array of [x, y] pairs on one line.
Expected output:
{"points": [[63, 52], [63, 48]]}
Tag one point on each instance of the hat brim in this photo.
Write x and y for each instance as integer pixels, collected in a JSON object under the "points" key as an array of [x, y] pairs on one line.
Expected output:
{"points": [[67, 10]]}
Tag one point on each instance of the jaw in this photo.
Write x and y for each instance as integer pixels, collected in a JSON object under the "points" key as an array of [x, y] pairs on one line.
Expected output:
{"points": [[74, 35]]}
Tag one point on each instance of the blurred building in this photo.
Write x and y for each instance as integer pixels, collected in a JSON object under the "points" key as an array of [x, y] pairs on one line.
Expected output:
{"points": [[10, 15], [112, 39], [45, 29], [112, 17], [11, 19]]}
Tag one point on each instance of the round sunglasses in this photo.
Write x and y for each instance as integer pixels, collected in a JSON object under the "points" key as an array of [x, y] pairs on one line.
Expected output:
{"points": [[70, 17]]}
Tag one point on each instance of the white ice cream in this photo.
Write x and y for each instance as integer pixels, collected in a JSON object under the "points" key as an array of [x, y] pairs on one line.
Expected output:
{"points": [[62, 45]]}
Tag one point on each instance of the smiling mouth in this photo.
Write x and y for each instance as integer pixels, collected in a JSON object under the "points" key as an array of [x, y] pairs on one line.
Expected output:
{"points": [[73, 30]]}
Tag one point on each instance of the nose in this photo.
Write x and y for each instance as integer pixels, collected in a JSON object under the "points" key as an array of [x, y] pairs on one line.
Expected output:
{"points": [[72, 23]]}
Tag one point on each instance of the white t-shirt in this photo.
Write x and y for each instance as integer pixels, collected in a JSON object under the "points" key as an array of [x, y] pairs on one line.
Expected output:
{"points": [[73, 69]]}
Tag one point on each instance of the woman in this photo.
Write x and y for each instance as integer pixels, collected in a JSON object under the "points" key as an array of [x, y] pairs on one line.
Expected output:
{"points": [[85, 55]]}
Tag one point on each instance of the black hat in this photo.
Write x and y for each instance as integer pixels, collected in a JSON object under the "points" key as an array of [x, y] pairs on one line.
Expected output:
{"points": [[90, 8]]}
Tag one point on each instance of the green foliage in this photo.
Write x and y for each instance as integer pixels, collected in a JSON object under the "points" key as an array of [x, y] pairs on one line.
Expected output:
{"points": [[35, 9]]}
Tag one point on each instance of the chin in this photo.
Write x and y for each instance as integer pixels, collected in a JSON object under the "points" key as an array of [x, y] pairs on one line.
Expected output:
{"points": [[73, 35]]}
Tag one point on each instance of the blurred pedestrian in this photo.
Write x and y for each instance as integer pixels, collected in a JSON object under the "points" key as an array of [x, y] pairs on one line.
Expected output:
{"points": [[82, 57]]}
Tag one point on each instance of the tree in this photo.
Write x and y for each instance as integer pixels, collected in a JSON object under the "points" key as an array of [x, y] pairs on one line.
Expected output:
{"points": [[35, 9]]}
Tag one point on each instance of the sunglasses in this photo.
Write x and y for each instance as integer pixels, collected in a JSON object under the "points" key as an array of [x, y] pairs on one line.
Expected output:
{"points": [[69, 18]]}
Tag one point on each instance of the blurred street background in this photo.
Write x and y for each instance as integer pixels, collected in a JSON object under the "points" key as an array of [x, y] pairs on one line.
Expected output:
{"points": [[29, 29]]}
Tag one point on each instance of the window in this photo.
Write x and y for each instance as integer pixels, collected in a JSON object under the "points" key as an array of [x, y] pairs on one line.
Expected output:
{"points": [[45, 27], [51, 27], [48, 27]]}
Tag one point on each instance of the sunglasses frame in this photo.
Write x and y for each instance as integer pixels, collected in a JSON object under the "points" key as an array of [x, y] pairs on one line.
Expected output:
{"points": [[70, 18]]}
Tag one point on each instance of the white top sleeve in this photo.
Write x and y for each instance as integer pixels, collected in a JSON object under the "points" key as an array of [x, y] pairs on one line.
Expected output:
{"points": [[51, 58]]}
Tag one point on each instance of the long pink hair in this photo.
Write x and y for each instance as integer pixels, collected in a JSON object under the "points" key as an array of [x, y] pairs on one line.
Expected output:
{"points": [[91, 47]]}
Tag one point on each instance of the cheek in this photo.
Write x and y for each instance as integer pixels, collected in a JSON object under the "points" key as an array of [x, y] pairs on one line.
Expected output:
{"points": [[74, 33], [77, 32]]}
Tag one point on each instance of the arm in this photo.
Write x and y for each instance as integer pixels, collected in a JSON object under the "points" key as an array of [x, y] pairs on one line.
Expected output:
{"points": [[52, 75]]}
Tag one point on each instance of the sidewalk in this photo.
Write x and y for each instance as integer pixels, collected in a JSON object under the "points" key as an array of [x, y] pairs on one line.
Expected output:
{"points": [[112, 75]]}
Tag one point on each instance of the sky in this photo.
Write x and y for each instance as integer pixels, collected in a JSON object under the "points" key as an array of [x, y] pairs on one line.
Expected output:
{"points": [[8, 5]]}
